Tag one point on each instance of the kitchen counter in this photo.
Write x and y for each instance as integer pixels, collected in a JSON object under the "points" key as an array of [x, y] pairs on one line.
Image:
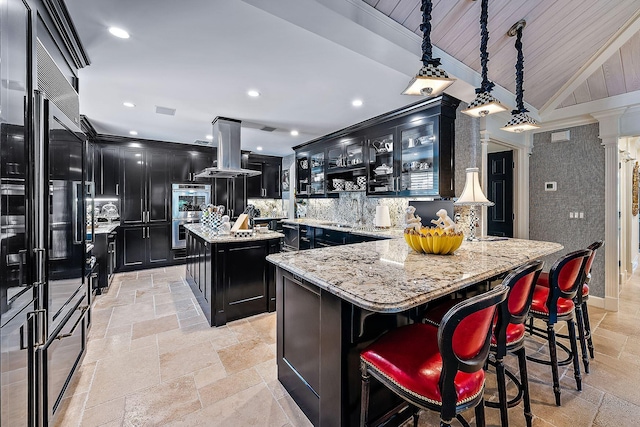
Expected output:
{"points": [[388, 276], [105, 228], [211, 236], [334, 301], [390, 233]]}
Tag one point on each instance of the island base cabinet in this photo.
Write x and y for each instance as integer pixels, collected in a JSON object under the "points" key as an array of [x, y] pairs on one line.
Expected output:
{"points": [[319, 341], [231, 280]]}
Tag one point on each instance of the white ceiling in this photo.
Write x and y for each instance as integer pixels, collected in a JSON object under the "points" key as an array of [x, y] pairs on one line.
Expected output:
{"points": [[308, 58]]}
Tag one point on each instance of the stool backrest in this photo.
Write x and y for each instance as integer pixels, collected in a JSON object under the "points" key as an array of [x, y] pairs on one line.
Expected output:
{"points": [[565, 276], [515, 309], [593, 248], [465, 331]]}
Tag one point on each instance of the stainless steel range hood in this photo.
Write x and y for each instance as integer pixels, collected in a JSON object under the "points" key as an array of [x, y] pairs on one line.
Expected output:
{"points": [[226, 134]]}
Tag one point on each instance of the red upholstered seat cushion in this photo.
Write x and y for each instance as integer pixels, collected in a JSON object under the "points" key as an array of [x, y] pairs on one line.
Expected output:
{"points": [[543, 280], [409, 357], [514, 334], [539, 303]]}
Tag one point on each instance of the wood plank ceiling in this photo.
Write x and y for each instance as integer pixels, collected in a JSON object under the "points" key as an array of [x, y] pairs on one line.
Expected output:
{"points": [[619, 74], [560, 37]]}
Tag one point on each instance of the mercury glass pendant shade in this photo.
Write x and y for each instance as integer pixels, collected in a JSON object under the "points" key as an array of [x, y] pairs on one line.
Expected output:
{"points": [[472, 194]]}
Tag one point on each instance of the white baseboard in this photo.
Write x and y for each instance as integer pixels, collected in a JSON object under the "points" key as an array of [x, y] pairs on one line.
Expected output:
{"points": [[607, 303]]}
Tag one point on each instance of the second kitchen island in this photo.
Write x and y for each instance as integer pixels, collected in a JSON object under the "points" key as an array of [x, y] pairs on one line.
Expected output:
{"points": [[230, 276]]}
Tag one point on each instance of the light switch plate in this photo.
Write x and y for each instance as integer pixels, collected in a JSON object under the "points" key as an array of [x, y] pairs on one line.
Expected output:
{"points": [[550, 186]]}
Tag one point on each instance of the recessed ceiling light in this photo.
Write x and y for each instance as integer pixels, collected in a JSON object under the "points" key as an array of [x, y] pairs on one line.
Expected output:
{"points": [[209, 137], [294, 133], [253, 93], [356, 102], [259, 148], [129, 104], [119, 32], [133, 132]]}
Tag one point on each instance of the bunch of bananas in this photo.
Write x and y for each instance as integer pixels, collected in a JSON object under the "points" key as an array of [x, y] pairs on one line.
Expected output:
{"points": [[433, 240]]}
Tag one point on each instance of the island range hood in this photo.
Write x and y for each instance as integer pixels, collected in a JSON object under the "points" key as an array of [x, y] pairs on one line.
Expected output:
{"points": [[226, 135]]}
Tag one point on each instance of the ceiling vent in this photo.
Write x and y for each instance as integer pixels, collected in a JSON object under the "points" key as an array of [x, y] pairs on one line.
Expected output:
{"points": [[166, 111], [202, 142], [561, 136], [267, 129]]}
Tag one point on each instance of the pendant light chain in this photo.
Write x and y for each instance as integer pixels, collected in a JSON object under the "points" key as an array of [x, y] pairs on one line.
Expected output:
{"points": [[425, 27], [486, 85], [519, 74]]}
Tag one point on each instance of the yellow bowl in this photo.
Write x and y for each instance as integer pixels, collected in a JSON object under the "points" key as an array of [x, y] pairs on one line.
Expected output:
{"points": [[435, 241], [415, 242]]}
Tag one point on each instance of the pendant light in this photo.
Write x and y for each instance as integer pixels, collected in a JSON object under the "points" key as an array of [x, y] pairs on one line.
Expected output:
{"points": [[430, 80], [485, 103], [520, 120]]}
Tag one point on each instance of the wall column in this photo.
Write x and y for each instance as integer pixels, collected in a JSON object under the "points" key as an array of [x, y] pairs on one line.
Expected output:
{"points": [[609, 133]]}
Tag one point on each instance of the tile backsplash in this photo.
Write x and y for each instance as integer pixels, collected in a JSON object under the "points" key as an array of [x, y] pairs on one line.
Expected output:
{"points": [[269, 208]]}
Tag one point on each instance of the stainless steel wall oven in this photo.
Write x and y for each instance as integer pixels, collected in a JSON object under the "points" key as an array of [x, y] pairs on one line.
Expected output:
{"points": [[187, 202]]}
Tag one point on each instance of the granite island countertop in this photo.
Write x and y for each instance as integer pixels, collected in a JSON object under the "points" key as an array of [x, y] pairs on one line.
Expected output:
{"points": [[389, 233], [388, 276], [211, 236]]}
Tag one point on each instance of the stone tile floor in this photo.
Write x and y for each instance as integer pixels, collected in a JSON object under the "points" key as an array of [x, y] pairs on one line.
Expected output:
{"points": [[152, 360]]}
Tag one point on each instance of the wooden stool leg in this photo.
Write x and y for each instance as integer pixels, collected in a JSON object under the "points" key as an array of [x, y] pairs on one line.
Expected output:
{"points": [[574, 350], [524, 381], [581, 337], [587, 328], [364, 396], [551, 338], [479, 410], [502, 392], [416, 415]]}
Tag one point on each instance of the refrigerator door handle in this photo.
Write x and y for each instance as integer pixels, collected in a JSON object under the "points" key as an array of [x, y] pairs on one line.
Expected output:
{"points": [[40, 267], [83, 309]]}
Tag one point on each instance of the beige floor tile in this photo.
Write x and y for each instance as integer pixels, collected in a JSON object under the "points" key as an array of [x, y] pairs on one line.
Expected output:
{"points": [[81, 380], [162, 404], [126, 315], [265, 325], [293, 412], [107, 347], [111, 411], [187, 360], [209, 375], [228, 386], [118, 330], [113, 300], [124, 374], [174, 307], [615, 412], [148, 341], [69, 412], [251, 407], [244, 355], [154, 326], [197, 318], [187, 336], [172, 297]]}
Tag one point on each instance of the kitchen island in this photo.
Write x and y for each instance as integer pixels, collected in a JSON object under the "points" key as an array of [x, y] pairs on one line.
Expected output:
{"points": [[332, 302], [230, 276]]}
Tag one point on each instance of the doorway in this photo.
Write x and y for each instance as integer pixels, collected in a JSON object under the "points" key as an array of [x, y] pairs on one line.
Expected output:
{"points": [[500, 183]]}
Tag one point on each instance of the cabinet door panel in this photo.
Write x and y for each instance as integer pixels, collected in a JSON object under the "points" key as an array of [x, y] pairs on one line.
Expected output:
{"points": [[271, 173], [109, 167], [133, 194], [180, 167], [158, 243], [133, 242], [254, 183], [244, 281], [158, 188], [200, 161]]}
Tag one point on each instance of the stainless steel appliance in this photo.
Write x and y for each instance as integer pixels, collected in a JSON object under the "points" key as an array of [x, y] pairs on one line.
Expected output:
{"points": [[291, 237], [186, 205]]}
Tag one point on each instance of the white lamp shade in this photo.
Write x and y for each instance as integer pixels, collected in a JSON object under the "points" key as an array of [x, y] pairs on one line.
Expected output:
{"points": [[472, 194]]}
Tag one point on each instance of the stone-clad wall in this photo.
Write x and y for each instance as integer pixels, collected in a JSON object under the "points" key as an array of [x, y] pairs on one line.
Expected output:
{"points": [[577, 166]]}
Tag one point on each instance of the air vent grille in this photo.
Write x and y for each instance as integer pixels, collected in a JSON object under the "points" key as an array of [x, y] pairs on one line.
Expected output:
{"points": [[55, 86], [202, 142], [166, 111], [267, 129]]}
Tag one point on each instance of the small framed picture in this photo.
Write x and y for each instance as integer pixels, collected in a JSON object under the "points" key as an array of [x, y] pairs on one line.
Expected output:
{"points": [[285, 180]]}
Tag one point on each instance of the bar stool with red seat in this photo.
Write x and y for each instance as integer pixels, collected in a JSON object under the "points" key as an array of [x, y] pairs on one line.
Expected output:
{"points": [[508, 335], [555, 303], [436, 368], [582, 310]]}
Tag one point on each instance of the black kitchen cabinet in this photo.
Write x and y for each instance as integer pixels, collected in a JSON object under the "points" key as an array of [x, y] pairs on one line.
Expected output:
{"points": [[324, 237], [224, 285], [145, 186], [185, 165], [106, 174], [145, 246], [311, 172], [268, 183], [230, 193]]}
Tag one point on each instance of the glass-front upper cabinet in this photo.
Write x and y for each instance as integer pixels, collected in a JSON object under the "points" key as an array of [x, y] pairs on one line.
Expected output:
{"points": [[418, 158], [302, 175], [317, 176], [381, 164], [346, 168]]}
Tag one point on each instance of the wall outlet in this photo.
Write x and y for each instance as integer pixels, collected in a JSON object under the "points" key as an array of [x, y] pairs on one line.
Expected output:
{"points": [[570, 215], [581, 215]]}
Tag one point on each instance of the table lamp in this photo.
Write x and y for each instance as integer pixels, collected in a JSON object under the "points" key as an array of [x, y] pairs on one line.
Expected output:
{"points": [[472, 196]]}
